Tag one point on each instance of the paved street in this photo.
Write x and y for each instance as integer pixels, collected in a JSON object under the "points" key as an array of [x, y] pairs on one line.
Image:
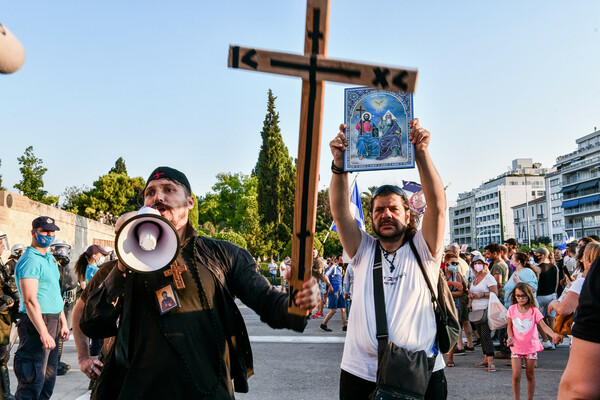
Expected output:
{"points": [[306, 366]]}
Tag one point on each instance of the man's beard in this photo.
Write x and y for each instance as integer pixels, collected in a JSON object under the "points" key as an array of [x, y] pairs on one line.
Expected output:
{"points": [[392, 236], [388, 122]]}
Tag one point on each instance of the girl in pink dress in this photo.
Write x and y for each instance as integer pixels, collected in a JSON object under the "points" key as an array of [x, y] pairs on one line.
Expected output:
{"points": [[523, 339]]}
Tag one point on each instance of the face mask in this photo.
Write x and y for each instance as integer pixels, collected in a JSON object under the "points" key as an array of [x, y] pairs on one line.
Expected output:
{"points": [[453, 268], [577, 252], [100, 261], [478, 267], [537, 259], [43, 240]]}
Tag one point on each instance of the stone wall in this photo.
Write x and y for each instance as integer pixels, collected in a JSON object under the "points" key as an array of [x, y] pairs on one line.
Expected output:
{"points": [[17, 212]]}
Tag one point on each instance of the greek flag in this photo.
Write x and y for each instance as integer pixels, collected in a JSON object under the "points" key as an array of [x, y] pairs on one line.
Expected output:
{"points": [[355, 208]]}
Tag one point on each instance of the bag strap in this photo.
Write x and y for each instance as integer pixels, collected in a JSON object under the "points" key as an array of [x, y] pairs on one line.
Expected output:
{"points": [[379, 298], [434, 299]]}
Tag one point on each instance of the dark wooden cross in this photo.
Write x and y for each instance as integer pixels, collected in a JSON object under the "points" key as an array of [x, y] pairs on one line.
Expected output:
{"points": [[176, 271], [314, 68]]}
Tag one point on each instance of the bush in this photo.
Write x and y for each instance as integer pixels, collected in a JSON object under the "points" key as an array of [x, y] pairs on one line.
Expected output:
{"points": [[232, 237]]}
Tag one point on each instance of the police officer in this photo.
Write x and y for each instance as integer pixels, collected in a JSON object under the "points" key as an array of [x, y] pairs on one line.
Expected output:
{"points": [[8, 298]]}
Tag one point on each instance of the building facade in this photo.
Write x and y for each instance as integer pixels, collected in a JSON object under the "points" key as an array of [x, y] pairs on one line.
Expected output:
{"points": [[531, 220], [491, 210], [575, 191]]}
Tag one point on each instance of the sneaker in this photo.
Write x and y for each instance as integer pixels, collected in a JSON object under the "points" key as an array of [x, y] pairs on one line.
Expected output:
{"points": [[502, 356], [317, 315], [458, 352], [325, 328], [344, 328], [548, 345], [469, 349]]}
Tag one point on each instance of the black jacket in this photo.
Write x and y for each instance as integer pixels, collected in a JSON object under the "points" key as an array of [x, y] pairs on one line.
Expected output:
{"points": [[220, 270]]}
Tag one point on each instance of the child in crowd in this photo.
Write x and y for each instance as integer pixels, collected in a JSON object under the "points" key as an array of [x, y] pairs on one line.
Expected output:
{"points": [[523, 339]]}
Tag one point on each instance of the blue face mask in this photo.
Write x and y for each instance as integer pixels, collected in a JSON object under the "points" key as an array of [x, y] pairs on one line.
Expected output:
{"points": [[43, 240], [453, 268]]}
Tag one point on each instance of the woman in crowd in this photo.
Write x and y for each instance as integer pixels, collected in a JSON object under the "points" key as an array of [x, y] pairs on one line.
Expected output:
{"points": [[457, 288], [569, 300], [523, 273], [86, 267], [479, 294], [547, 286]]}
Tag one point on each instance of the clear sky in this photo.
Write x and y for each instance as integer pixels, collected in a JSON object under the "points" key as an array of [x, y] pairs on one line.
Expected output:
{"points": [[148, 81]]}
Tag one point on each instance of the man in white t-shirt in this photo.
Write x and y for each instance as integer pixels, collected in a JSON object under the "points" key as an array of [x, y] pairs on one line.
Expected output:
{"points": [[283, 267], [410, 315]]}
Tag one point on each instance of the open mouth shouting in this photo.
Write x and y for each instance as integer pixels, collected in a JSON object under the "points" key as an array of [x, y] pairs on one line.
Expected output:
{"points": [[161, 208]]}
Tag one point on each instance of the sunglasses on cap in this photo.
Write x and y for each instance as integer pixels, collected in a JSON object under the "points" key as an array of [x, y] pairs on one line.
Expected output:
{"points": [[390, 188]]}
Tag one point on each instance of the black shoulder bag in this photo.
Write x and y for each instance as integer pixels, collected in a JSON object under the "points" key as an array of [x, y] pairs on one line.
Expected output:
{"points": [[401, 374], [446, 317]]}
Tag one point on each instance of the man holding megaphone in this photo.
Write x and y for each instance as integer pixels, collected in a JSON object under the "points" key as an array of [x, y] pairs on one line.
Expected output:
{"points": [[197, 346]]}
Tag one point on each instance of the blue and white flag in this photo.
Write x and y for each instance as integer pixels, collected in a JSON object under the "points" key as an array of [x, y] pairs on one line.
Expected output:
{"points": [[355, 208]]}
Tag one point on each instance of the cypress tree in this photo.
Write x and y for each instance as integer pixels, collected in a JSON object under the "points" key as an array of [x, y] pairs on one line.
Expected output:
{"points": [[275, 172]]}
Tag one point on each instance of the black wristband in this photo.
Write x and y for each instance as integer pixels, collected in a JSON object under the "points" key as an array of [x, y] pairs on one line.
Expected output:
{"points": [[336, 170]]}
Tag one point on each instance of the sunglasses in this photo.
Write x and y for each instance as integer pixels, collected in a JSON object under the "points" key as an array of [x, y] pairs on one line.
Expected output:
{"points": [[455, 263], [390, 188]]}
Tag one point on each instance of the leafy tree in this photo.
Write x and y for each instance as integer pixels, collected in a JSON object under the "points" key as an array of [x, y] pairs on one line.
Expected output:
{"points": [[275, 171], [324, 217], [1, 187], [119, 167], [194, 214], [112, 193], [32, 181]]}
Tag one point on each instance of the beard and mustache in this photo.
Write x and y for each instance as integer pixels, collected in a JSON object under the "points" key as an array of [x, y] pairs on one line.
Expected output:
{"points": [[395, 235]]}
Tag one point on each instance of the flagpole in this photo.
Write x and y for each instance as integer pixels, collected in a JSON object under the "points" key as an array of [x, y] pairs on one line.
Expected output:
{"points": [[333, 223]]}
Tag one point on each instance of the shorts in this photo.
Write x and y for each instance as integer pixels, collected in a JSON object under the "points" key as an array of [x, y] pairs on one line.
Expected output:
{"points": [[543, 302], [532, 356], [323, 287], [336, 300]]}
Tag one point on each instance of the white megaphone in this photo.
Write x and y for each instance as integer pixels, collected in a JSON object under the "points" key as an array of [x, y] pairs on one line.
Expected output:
{"points": [[12, 53], [147, 242]]}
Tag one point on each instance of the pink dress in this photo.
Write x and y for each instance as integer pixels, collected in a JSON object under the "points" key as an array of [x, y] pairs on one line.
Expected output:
{"points": [[524, 329]]}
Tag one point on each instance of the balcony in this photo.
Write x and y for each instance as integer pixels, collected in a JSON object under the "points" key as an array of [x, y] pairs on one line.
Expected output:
{"points": [[582, 209]]}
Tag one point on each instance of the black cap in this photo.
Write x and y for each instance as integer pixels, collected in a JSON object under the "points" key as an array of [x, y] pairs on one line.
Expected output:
{"points": [[45, 223], [93, 249], [169, 173]]}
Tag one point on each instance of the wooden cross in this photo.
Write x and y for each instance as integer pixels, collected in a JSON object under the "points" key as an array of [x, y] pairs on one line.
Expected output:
{"points": [[176, 271], [314, 68]]}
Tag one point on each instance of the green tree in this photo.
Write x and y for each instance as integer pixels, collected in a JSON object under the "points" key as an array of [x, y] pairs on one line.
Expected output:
{"points": [[1, 187], [112, 193], [194, 214], [32, 181], [119, 167], [275, 171], [324, 217]]}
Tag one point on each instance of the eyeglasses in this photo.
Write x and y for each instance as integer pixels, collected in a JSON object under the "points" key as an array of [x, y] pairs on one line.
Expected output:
{"points": [[455, 263], [520, 296], [390, 188]]}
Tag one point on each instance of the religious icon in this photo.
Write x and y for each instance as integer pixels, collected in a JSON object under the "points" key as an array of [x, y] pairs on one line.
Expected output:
{"points": [[377, 129], [167, 299]]}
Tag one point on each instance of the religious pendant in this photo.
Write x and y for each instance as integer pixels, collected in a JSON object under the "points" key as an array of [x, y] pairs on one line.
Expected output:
{"points": [[167, 299], [176, 271]]}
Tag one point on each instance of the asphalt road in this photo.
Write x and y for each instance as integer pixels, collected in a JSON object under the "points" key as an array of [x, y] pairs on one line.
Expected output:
{"points": [[307, 366]]}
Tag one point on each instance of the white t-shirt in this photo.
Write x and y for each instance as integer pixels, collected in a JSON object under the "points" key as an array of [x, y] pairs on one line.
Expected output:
{"points": [[282, 268], [482, 287], [410, 316], [575, 286]]}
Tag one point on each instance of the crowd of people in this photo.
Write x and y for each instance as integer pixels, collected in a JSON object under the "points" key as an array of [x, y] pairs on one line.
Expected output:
{"points": [[132, 329]]}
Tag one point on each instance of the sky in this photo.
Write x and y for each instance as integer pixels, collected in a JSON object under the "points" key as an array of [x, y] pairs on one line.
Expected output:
{"points": [[148, 81]]}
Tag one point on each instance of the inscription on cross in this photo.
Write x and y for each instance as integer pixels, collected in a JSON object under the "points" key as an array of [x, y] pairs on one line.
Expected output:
{"points": [[314, 68]]}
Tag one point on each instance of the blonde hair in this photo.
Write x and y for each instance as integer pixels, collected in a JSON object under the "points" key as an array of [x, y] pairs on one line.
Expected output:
{"points": [[592, 251]]}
